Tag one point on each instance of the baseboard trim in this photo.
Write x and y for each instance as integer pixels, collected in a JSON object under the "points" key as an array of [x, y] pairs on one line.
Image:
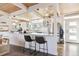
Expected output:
{"points": [[72, 42]]}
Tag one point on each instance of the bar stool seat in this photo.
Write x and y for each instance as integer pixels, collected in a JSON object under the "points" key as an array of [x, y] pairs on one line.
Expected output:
{"points": [[41, 42]]}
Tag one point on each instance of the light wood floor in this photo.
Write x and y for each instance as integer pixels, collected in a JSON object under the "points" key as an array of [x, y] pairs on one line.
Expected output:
{"points": [[60, 49], [18, 51]]}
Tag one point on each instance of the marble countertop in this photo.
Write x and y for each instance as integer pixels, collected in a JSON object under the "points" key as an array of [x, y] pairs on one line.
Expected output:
{"points": [[39, 34]]}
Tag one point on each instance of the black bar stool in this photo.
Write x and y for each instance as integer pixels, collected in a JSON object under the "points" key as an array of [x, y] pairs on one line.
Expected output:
{"points": [[41, 40], [28, 39]]}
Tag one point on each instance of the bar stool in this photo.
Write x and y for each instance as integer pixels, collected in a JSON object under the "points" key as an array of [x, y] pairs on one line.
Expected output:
{"points": [[28, 39], [40, 40]]}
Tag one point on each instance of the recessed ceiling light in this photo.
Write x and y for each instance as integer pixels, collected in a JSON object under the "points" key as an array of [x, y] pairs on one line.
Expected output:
{"points": [[37, 8], [14, 24]]}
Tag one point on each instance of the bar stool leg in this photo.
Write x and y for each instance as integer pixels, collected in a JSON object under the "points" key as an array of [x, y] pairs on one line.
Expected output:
{"points": [[29, 47], [35, 46], [24, 47], [35, 53], [31, 51], [47, 47], [43, 49], [39, 48]]}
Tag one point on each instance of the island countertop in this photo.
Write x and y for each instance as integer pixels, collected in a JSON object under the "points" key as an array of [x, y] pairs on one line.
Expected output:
{"points": [[39, 34]]}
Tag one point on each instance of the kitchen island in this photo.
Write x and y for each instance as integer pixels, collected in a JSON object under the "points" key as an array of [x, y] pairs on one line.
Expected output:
{"points": [[17, 39]]}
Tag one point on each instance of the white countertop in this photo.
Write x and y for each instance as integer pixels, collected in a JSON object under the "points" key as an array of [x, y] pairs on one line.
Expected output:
{"points": [[39, 34]]}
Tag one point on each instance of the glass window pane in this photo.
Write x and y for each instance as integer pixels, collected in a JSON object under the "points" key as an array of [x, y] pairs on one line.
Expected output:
{"points": [[72, 23], [72, 37], [72, 30]]}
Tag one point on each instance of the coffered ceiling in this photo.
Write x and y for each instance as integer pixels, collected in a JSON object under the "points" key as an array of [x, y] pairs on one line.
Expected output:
{"points": [[14, 8], [9, 8], [29, 4], [64, 8]]}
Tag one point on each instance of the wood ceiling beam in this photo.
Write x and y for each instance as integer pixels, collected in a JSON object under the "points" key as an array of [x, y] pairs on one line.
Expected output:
{"points": [[20, 5], [27, 5]]}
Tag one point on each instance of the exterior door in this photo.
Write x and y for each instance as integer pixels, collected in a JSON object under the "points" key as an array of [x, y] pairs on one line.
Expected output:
{"points": [[72, 30]]}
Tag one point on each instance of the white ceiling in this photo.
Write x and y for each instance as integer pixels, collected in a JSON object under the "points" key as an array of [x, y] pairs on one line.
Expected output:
{"points": [[64, 8], [68, 8]]}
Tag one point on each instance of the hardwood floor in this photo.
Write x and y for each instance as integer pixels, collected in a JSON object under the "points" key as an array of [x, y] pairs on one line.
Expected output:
{"points": [[18, 51], [71, 49], [60, 49]]}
